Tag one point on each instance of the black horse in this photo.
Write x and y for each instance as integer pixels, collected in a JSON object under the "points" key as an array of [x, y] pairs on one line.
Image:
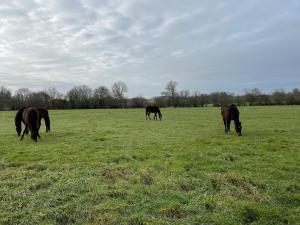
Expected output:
{"points": [[31, 118], [43, 113], [155, 110], [229, 113]]}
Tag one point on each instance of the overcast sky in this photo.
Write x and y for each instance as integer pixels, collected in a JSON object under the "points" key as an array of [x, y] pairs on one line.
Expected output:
{"points": [[205, 45]]}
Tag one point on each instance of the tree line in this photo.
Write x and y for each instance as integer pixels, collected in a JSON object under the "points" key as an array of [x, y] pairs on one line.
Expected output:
{"points": [[84, 97]]}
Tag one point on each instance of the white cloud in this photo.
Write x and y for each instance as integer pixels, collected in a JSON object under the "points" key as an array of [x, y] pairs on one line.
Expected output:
{"points": [[148, 42]]}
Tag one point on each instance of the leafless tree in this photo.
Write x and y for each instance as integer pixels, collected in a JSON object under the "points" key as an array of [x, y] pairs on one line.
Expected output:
{"points": [[79, 96], [118, 90], [22, 94], [170, 91], [5, 98], [102, 96], [53, 93]]}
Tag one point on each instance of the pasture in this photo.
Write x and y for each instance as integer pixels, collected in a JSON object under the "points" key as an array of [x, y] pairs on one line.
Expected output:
{"points": [[114, 167]]}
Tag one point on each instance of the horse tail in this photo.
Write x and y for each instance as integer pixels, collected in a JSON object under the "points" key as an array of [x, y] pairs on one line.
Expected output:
{"points": [[33, 120]]}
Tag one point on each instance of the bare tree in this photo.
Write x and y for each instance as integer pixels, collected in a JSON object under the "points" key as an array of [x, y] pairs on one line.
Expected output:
{"points": [[102, 96], [40, 98], [21, 96], [79, 96], [4, 92], [118, 90], [137, 102], [252, 96], [53, 93], [184, 98], [170, 91], [279, 97], [5, 98], [56, 98]]}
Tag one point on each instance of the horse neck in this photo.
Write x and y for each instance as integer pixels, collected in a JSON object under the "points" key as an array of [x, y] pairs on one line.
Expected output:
{"points": [[19, 117], [236, 120], [18, 123]]}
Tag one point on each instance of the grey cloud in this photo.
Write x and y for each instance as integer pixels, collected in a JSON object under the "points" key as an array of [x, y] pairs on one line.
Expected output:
{"points": [[204, 45]]}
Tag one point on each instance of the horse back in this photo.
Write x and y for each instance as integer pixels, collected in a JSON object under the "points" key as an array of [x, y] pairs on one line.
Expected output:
{"points": [[30, 115], [152, 109], [230, 112], [233, 110]]}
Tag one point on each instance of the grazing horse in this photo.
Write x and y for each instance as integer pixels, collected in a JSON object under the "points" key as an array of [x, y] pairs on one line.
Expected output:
{"points": [[43, 114], [155, 110], [229, 113], [31, 118]]}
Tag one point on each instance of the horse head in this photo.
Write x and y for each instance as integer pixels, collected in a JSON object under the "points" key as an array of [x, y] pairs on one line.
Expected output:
{"points": [[238, 128], [18, 121], [160, 115]]}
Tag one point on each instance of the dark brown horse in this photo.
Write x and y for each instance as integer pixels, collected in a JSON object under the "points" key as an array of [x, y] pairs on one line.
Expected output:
{"points": [[43, 115], [155, 110], [31, 118], [229, 113]]}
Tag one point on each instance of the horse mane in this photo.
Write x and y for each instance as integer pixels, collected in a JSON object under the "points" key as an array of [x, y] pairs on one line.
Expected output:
{"points": [[233, 106]]}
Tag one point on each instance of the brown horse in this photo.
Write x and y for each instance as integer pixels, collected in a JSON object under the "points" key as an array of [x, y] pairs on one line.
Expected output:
{"points": [[31, 118], [155, 110], [229, 113], [43, 114]]}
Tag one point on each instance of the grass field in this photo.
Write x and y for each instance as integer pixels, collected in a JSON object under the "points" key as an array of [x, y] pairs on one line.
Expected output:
{"points": [[114, 167]]}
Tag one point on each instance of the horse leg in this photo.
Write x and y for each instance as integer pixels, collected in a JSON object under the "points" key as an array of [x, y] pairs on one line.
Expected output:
{"points": [[38, 128], [225, 125], [25, 130], [155, 116], [228, 125]]}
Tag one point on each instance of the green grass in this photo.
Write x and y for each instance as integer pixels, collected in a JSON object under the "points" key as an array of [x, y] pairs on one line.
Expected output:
{"points": [[114, 167]]}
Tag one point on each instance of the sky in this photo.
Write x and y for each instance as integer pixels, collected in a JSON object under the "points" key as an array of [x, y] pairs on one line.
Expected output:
{"points": [[204, 45]]}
